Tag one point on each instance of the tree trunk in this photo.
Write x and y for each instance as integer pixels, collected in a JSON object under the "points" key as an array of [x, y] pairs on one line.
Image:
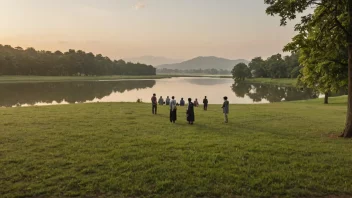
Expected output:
{"points": [[347, 133], [326, 98]]}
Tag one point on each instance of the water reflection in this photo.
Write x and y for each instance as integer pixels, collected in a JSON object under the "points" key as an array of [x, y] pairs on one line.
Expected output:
{"points": [[272, 93], [22, 94], [206, 81], [69, 92]]}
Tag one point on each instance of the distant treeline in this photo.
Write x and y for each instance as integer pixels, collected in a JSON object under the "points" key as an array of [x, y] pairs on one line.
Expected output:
{"points": [[273, 67], [18, 61], [193, 71]]}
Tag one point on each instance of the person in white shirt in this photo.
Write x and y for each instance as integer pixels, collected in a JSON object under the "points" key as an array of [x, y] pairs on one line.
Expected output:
{"points": [[173, 110]]}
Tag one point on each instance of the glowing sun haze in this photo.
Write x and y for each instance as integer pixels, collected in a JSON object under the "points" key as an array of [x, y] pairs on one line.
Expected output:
{"points": [[126, 28]]}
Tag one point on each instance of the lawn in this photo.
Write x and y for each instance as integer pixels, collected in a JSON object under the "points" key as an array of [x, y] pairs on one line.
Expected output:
{"points": [[273, 81], [287, 149]]}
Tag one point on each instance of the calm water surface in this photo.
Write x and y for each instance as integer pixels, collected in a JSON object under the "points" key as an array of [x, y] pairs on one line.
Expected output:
{"points": [[50, 93]]}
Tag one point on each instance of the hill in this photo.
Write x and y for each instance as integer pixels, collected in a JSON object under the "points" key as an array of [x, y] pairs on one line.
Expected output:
{"points": [[153, 60], [204, 62]]}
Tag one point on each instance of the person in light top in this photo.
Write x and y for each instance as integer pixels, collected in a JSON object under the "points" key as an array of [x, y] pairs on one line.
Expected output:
{"points": [[173, 110], [161, 101], [225, 109], [195, 103]]}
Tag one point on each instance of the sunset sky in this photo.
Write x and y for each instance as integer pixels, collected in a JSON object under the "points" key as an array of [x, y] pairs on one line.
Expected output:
{"points": [[179, 29]]}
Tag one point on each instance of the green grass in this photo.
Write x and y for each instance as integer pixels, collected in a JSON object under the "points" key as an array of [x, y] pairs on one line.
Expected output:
{"points": [[276, 81], [121, 150]]}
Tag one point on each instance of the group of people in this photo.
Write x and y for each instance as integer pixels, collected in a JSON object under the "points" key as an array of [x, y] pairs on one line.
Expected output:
{"points": [[182, 102], [190, 108]]}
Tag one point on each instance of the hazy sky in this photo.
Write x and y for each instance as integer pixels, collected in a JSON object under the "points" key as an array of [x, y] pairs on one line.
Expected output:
{"points": [[129, 28]]}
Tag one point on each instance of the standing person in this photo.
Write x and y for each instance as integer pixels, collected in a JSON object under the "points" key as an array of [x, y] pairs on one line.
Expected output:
{"points": [[195, 103], [190, 111], [173, 109], [225, 109], [161, 101], [154, 104], [182, 102], [205, 103], [167, 101]]}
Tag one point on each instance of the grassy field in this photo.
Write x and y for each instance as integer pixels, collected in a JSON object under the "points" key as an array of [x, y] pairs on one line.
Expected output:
{"points": [[121, 150], [278, 81]]}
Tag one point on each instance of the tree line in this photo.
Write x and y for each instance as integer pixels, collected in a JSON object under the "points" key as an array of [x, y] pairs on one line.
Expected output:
{"points": [[275, 66], [19, 61], [194, 71]]}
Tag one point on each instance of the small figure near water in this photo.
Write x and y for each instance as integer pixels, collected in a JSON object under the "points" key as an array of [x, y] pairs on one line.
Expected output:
{"points": [[225, 109], [196, 103], [167, 101], [154, 104], [161, 101], [173, 110], [205, 103], [182, 102], [190, 111]]}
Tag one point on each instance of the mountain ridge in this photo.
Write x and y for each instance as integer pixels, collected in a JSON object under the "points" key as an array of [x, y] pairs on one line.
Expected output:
{"points": [[204, 62], [153, 60]]}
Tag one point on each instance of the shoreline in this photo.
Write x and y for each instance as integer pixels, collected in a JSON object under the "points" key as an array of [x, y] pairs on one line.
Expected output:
{"points": [[277, 81], [30, 79]]}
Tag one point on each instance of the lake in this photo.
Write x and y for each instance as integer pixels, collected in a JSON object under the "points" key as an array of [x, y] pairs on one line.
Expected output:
{"points": [[51, 93]]}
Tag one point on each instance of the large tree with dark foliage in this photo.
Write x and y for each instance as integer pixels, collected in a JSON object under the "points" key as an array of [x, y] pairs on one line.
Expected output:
{"points": [[275, 66], [324, 59], [16, 61], [240, 72], [335, 16]]}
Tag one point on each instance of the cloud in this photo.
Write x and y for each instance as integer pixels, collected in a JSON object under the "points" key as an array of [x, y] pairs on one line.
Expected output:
{"points": [[140, 5]]}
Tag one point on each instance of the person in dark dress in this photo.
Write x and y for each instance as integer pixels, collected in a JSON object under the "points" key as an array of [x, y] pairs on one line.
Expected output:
{"points": [[205, 103], [154, 104], [173, 110], [190, 111]]}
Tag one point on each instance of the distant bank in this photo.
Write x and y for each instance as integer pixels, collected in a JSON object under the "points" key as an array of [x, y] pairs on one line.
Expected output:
{"points": [[17, 79]]}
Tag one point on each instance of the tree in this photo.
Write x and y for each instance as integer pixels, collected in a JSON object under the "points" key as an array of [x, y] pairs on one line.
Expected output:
{"points": [[335, 16], [276, 66], [16, 61], [240, 72], [324, 70], [293, 65], [258, 68]]}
